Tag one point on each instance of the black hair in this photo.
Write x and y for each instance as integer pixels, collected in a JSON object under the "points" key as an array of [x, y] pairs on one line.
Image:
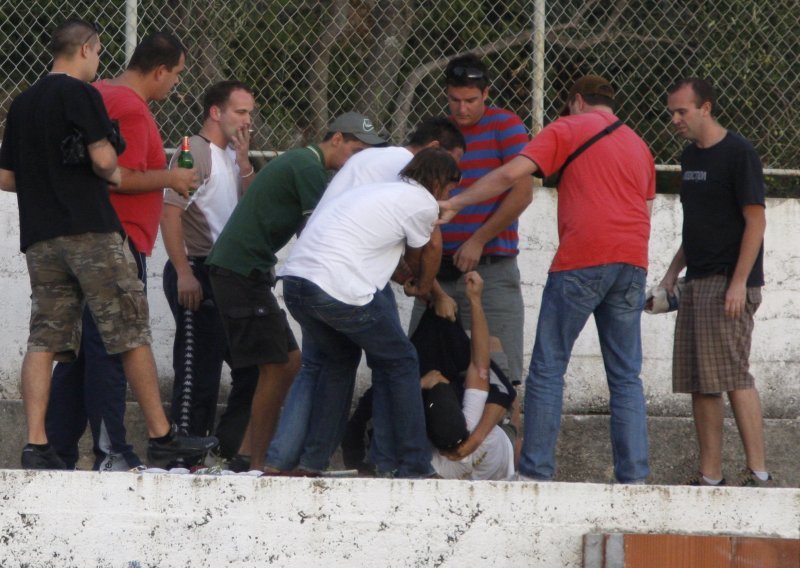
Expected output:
{"points": [[466, 71], [439, 129], [219, 93], [160, 48], [702, 88], [432, 168], [68, 38]]}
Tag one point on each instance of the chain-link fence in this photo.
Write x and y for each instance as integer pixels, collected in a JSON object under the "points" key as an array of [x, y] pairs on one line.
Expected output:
{"points": [[308, 61]]}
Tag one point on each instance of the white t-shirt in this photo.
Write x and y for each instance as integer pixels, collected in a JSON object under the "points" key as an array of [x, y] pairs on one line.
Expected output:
{"points": [[494, 458], [355, 242], [209, 208], [371, 165]]}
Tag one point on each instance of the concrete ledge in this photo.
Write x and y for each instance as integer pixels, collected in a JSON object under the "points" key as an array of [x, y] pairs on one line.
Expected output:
{"points": [[128, 520], [584, 449]]}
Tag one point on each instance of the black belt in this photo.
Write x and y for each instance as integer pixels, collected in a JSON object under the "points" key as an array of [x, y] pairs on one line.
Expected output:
{"points": [[492, 259], [449, 272]]}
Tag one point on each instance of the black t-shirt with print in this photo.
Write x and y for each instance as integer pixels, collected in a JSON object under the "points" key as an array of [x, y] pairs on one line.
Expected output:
{"points": [[56, 200], [717, 182]]}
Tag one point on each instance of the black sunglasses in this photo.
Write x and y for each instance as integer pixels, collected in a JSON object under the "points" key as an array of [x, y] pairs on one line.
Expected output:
{"points": [[456, 178], [460, 72]]}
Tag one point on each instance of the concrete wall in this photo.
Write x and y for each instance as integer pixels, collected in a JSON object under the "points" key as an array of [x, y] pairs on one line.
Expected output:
{"points": [[775, 344], [122, 520]]}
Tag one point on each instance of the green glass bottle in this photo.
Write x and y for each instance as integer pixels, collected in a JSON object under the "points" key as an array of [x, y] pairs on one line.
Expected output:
{"points": [[185, 159]]}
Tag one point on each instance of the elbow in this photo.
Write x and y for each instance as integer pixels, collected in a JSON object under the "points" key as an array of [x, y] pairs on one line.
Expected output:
{"points": [[105, 163]]}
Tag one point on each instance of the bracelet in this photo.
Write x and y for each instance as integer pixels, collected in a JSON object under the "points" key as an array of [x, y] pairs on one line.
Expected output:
{"points": [[248, 174]]}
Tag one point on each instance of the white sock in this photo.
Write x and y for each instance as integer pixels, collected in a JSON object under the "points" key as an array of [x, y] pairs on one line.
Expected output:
{"points": [[712, 481], [762, 475]]}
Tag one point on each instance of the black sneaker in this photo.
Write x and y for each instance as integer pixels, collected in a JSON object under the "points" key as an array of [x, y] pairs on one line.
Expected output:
{"points": [[34, 458], [700, 480], [749, 479], [239, 463], [179, 446]]}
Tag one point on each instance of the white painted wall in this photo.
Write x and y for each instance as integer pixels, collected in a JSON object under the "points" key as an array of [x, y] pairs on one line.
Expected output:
{"points": [[60, 519], [775, 344]]}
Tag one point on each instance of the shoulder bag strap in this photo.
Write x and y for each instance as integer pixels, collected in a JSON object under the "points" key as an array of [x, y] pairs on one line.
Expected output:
{"points": [[585, 146]]}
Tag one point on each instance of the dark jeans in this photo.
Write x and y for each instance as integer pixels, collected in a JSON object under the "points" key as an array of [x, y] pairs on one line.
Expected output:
{"points": [[92, 388], [198, 352], [310, 395], [336, 333]]}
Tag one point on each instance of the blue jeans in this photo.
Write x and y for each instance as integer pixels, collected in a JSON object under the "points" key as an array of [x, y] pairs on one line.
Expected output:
{"points": [[614, 293], [293, 445], [334, 333]]}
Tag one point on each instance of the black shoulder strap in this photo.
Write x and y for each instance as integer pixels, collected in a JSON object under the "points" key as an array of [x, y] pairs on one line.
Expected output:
{"points": [[605, 132]]}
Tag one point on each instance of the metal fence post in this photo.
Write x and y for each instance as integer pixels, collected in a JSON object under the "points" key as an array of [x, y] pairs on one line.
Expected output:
{"points": [[537, 83], [131, 24]]}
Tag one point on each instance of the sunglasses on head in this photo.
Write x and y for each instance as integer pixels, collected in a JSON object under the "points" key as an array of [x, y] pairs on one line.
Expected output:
{"points": [[96, 27], [460, 72]]}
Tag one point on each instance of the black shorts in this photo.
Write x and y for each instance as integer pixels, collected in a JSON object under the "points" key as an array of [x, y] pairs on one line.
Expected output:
{"points": [[256, 327]]}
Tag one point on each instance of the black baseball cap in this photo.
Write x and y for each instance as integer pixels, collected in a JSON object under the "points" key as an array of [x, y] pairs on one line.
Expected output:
{"points": [[444, 419]]}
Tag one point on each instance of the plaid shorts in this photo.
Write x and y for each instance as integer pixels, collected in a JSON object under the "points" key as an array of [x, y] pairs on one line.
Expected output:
{"points": [[95, 268], [712, 351]]}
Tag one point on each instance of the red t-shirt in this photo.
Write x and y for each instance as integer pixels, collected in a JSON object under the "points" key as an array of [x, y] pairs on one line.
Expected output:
{"points": [[139, 213], [602, 197]]}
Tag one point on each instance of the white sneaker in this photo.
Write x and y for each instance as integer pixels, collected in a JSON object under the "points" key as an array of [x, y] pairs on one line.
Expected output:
{"points": [[113, 462], [517, 476]]}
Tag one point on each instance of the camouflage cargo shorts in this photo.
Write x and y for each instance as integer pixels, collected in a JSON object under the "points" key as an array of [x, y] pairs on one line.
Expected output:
{"points": [[95, 268]]}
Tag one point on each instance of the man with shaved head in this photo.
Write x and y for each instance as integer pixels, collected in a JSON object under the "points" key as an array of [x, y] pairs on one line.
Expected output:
{"points": [[57, 157]]}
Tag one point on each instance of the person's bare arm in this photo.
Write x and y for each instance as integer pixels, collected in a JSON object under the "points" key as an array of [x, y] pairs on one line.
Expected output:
{"points": [[179, 179], [424, 262], [493, 183], [444, 306], [190, 292], [478, 371], [755, 223], [241, 144], [514, 203], [8, 180], [671, 277], [104, 161]]}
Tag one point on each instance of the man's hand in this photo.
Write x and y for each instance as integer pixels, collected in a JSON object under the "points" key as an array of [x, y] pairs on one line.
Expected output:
{"points": [[668, 283], [431, 379], [241, 144], [474, 285], [445, 306], [411, 288], [735, 299], [468, 254], [190, 292], [447, 210], [184, 180], [464, 450]]}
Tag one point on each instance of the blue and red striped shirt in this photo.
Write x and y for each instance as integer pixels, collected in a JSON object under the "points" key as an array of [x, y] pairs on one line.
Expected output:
{"points": [[497, 138]]}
